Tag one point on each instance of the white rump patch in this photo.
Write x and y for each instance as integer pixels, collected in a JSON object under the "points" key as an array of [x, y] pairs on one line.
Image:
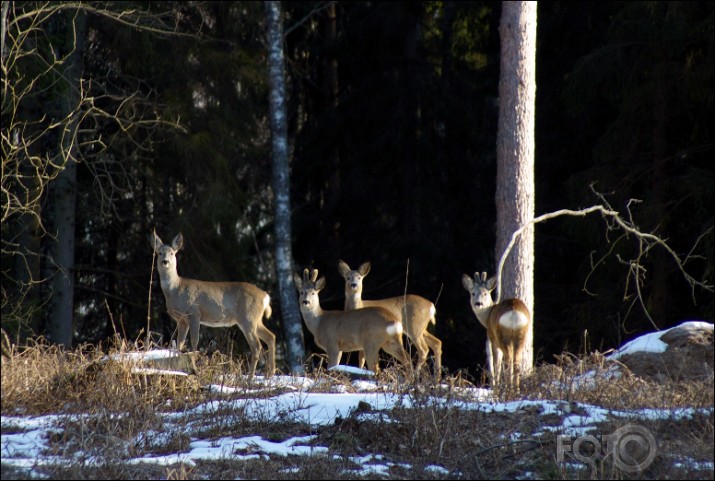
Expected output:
{"points": [[432, 310], [266, 301], [395, 328], [513, 320]]}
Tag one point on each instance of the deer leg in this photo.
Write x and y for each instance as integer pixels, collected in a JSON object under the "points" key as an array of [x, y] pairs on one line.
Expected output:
{"points": [[436, 346], [395, 349], [183, 329], [372, 356], [517, 366], [255, 346], [270, 339], [361, 359], [497, 357], [510, 363], [194, 324], [421, 348], [334, 357], [490, 360]]}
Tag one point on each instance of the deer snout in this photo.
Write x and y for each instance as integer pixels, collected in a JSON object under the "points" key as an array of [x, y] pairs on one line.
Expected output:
{"points": [[353, 286], [165, 263]]}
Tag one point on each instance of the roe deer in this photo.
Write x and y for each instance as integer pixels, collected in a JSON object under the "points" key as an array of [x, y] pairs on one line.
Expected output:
{"points": [[216, 304], [507, 324], [335, 332], [414, 311]]}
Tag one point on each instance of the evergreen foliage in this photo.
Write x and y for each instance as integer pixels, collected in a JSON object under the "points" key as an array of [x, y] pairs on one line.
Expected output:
{"points": [[398, 168]]}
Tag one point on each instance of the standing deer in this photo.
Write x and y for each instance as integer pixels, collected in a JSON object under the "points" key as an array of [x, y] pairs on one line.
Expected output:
{"points": [[414, 311], [507, 324], [216, 304], [335, 332]]}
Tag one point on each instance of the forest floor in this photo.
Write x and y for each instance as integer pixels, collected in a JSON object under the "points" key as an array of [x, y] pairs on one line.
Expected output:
{"points": [[90, 414]]}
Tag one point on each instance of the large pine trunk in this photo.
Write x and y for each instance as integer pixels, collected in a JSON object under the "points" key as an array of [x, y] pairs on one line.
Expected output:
{"points": [[515, 154]]}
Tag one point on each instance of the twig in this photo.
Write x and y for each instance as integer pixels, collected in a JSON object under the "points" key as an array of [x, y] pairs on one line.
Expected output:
{"points": [[407, 276], [148, 310], [439, 294], [300, 22]]}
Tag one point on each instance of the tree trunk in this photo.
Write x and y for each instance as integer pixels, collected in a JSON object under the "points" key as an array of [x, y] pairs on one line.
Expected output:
{"points": [[292, 324], [410, 104], [63, 190], [515, 154], [330, 226], [3, 29]]}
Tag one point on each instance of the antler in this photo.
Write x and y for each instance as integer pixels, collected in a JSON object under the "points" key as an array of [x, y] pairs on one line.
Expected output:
{"points": [[480, 279], [314, 275]]}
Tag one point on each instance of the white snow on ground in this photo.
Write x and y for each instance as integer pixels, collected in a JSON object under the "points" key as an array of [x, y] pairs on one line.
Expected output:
{"points": [[652, 343], [24, 441]]}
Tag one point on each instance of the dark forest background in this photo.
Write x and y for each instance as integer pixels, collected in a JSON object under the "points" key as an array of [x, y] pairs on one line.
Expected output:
{"points": [[392, 122]]}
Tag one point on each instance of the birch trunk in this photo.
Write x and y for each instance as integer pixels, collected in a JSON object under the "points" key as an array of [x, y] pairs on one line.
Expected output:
{"points": [[292, 323]]}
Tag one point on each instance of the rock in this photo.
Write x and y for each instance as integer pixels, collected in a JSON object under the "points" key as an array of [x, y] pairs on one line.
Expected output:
{"points": [[688, 355]]}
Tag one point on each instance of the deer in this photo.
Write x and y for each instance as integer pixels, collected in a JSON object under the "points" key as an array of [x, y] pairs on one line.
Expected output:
{"points": [[367, 330], [414, 312], [506, 322], [215, 304]]}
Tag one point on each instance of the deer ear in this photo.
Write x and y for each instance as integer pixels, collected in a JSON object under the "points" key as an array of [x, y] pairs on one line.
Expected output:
{"points": [[178, 242], [491, 283], [467, 282], [155, 242], [320, 284], [297, 281], [343, 268], [364, 269]]}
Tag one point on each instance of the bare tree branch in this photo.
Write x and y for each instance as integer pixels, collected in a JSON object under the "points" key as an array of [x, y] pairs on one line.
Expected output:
{"points": [[38, 139], [615, 222]]}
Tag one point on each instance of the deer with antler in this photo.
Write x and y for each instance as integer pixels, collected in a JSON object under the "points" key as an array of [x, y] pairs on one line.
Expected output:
{"points": [[415, 312], [215, 304], [507, 325], [335, 332]]}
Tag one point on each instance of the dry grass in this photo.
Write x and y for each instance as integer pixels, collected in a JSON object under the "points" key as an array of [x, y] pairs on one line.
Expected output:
{"points": [[595, 380], [119, 416]]}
